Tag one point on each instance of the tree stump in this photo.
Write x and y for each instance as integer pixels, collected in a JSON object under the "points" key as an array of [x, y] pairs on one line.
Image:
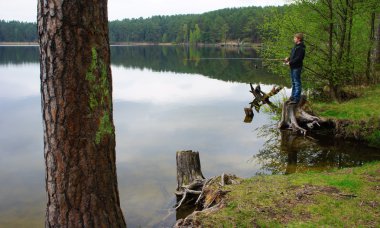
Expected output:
{"points": [[294, 116], [196, 192], [188, 169]]}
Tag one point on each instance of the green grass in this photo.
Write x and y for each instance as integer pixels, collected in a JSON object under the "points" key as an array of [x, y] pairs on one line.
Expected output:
{"points": [[362, 114], [339, 198], [365, 107]]}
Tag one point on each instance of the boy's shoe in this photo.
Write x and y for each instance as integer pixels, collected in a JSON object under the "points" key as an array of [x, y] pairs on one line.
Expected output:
{"points": [[293, 102]]}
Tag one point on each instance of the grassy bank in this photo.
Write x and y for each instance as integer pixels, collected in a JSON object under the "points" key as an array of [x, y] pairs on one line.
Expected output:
{"points": [[339, 198], [365, 107], [357, 118]]}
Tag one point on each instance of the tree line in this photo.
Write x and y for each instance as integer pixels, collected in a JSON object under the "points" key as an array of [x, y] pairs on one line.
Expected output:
{"points": [[15, 31], [239, 24]]}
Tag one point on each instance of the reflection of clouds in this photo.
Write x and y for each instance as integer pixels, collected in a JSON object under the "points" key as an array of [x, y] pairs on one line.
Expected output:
{"points": [[216, 126], [156, 114], [167, 87], [216, 130], [22, 192], [19, 81]]}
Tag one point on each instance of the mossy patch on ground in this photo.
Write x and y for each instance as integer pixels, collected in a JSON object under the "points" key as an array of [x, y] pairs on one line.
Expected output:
{"points": [[340, 198]]}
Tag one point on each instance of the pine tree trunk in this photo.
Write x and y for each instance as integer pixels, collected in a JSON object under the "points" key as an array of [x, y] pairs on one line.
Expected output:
{"points": [[79, 138]]}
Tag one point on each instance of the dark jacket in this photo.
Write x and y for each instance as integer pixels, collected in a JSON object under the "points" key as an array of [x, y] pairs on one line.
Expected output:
{"points": [[297, 55]]}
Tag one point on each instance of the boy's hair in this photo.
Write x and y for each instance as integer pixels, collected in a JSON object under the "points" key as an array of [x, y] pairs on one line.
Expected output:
{"points": [[299, 36]]}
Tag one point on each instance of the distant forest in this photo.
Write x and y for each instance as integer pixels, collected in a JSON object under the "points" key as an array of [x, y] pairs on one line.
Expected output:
{"points": [[238, 24]]}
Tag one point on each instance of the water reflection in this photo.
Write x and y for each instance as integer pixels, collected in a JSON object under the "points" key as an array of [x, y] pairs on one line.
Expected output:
{"points": [[286, 152], [162, 103], [159, 108], [18, 55], [19, 82], [182, 59], [146, 86]]}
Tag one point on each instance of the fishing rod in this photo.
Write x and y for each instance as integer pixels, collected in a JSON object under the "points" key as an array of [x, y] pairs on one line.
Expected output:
{"points": [[215, 58]]}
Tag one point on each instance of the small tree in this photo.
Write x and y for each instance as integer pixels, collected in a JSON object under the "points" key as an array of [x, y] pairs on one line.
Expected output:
{"points": [[195, 35], [185, 33]]}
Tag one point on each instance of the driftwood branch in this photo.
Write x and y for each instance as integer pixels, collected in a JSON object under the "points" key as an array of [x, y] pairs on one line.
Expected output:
{"points": [[260, 98]]}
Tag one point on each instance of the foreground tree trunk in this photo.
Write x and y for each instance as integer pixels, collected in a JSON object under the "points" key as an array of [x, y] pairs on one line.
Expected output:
{"points": [[79, 139]]}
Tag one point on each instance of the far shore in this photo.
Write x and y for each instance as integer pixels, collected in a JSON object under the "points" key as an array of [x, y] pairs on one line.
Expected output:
{"points": [[18, 44]]}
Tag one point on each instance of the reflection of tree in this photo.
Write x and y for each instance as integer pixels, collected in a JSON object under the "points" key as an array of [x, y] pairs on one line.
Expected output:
{"points": [[195, 55], [179, 59], [19, 55], [286, 152], [174, 59]]}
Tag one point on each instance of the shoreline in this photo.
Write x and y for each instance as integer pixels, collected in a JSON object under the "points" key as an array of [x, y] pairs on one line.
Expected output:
{"points": [[297, 200], [15, 44]]}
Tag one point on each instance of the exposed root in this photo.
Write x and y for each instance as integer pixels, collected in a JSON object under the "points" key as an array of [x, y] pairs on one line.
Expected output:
{"points": [[211, 196], [190, 221]]}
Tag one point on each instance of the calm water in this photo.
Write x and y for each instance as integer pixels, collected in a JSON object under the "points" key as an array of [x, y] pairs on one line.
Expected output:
{"points": [[163, 103]]}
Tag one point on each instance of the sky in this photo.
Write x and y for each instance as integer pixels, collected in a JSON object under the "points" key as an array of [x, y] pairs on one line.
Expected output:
{"points": [[26, 10]]}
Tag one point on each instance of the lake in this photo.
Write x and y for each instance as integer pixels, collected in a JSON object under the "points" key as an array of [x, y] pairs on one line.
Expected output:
{"points": [[165, 99]]}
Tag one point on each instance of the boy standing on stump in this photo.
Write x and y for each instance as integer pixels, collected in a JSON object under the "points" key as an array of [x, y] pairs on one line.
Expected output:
{"points": [[295, 61]]}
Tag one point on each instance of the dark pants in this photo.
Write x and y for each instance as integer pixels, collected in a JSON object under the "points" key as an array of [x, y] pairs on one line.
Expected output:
{"points": [[295, 75]]}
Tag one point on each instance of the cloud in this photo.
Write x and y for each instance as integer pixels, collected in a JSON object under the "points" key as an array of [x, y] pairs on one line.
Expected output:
{"points": [[22, 10]]}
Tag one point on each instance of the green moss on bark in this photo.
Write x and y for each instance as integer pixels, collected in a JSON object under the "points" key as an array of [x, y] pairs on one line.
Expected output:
{"points": [[105, 128], [99, 95]]}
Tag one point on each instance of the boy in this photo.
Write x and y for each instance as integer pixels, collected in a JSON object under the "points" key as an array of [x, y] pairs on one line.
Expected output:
{"points": [[295, 61]]}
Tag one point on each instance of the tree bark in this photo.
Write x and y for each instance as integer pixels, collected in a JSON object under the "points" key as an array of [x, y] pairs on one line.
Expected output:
{"points": [[79, 138]]}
